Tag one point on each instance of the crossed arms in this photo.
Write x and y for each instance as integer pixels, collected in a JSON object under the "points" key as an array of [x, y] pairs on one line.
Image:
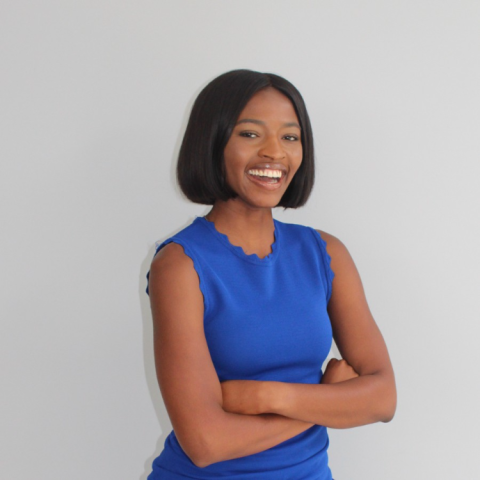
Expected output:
{"points": [[216, 421]]}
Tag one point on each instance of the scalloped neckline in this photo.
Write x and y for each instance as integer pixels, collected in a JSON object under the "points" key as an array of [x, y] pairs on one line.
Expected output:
{"points": [[253, 257]]}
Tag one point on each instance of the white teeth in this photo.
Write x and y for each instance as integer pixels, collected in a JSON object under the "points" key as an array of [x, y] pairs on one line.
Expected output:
{"points": [[266, 173]]}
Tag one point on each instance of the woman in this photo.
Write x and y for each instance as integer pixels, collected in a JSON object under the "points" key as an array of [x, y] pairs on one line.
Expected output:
{"points": [[244, 306]]}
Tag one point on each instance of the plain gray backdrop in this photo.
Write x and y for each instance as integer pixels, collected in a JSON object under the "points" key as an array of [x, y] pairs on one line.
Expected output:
{"points": [[94, 98]]}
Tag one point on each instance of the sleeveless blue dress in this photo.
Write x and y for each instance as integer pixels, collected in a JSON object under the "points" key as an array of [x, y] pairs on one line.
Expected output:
{"points": [[265, 319]]}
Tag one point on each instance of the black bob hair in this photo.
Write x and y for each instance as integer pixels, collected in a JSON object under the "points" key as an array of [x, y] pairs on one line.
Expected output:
{"points": [[200, 167]]}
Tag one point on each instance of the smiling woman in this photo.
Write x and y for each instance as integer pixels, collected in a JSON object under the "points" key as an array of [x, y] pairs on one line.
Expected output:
{"points": [[245, 307], [264, 150]]}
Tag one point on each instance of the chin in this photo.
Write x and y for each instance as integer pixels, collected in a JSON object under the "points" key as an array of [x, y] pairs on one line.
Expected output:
{"points": [[264, 203], [262, 200]]}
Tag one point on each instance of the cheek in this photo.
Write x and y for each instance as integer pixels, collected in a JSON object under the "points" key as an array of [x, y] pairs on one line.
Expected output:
{"points": [[298, 158], [235, 159]]}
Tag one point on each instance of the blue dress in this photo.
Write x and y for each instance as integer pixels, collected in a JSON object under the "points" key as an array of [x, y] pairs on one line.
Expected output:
{"points": [[265, 319]]}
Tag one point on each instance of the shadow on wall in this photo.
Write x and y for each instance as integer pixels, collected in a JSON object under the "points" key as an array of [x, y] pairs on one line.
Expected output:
{"points": [[149, 366], [148, 355]]}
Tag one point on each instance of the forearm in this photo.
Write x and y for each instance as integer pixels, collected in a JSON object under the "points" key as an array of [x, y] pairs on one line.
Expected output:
{"points": [[359, 401], [235, 435]]}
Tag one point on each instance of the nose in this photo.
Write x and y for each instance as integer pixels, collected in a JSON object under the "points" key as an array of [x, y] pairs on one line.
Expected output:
{"points": [[271, 148]]}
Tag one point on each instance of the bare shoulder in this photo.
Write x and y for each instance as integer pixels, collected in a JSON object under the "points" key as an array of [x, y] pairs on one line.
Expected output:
{"points": [[171, 263], [347, 284], [169, 256], [329, 238], [337, 250], [174, 284]]}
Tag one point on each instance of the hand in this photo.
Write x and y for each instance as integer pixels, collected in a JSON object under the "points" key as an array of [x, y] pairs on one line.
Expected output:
{"points": [[242, 396], [338, 371]]}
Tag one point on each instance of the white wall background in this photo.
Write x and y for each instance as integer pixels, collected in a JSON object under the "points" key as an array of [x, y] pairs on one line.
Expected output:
{"points": [[94, 99]]}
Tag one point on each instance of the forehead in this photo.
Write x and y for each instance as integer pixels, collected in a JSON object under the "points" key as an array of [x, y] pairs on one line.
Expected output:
{"points": [[269, 103]]}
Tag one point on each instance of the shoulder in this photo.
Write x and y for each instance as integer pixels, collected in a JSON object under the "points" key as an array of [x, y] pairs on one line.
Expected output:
{"points": [[174, 287], [339, 254], [171, 264], [169, 254], [333, 243], [177, 250], [347, 284], [334, 246]]}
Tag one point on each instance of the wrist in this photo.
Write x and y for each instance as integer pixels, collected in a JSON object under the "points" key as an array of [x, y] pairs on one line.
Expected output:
{"points": [[271, 396]]}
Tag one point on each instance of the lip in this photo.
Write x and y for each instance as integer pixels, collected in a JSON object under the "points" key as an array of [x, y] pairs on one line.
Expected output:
{"points": [[269, 166], [268, 186]]}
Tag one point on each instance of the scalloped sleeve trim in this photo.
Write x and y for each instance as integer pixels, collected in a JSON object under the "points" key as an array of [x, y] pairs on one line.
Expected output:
{"points": [[327, 260], [196, 264]]}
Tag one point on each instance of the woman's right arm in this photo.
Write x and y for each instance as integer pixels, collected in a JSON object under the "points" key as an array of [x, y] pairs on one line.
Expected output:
{"points": [[187, 378]]}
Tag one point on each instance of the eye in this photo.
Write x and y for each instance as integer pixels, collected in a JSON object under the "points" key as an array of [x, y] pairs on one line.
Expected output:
{"points": [[248, 134], [291, 138]]}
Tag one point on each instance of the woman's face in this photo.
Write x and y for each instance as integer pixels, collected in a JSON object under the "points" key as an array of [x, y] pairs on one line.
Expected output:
{"points": [[265, 150]]}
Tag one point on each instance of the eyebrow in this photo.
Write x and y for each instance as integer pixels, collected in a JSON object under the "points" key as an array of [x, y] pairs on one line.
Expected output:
{"points": [[259, 122]]}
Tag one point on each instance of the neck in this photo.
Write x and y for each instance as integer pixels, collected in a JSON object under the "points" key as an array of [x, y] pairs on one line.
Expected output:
{"points": [[231, 213], [248, 227]]}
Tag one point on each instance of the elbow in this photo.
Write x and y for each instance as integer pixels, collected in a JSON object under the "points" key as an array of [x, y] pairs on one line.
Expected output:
{"points": [[381, 412], [212, 452], [204, 443], [202, 459], [196, 448], [389, 412], [201, 456], [387, 417], [383, 401], [200, 462], [205, 456], [203, 447], [389, 406], [199, 459]]}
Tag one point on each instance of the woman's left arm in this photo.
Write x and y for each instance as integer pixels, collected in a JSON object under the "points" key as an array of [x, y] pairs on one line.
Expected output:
{"points": [[369, 398]]}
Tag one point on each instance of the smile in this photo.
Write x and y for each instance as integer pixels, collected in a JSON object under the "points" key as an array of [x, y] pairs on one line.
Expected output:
{"points": [[269, 179]]}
